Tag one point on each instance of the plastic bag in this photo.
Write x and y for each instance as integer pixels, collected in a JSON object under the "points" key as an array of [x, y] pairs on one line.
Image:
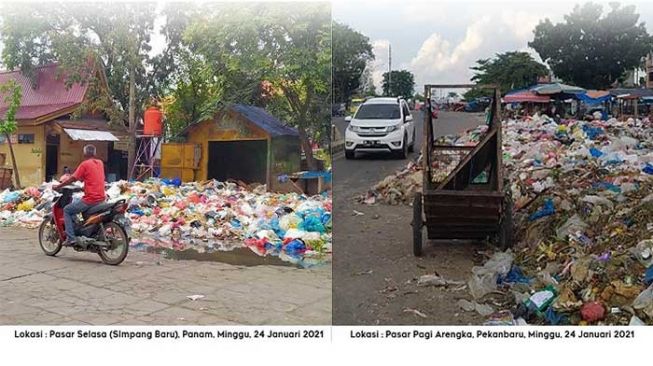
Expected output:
{"points": [[11, 197], [572, 225], [482, 309], [643, 251], [484, 279], [598, 200], [595, 152], [26, 205], [644, 302], [547, 210], [295, 247]]}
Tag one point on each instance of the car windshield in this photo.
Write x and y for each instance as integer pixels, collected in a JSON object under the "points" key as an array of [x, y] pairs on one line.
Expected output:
{"points": [[378, 111]]}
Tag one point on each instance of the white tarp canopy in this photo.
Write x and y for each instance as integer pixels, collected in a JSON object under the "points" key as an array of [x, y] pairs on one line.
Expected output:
{"points": [[88, 135]]}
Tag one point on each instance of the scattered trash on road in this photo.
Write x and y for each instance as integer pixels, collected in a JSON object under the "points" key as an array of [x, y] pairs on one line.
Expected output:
{"points": [[416, 312], [435, 280]]}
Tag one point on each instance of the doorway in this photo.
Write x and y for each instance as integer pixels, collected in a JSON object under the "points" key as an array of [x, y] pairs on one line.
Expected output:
{"points": [[244, 160], [51, 157]]}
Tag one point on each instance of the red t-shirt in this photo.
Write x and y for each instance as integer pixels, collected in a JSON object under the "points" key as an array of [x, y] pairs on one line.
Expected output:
{"points": [[91, 172]]}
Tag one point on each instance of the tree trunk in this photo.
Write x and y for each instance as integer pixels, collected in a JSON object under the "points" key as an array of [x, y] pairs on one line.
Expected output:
{"points": [[307, 148], [131, 152], [13, 161]]}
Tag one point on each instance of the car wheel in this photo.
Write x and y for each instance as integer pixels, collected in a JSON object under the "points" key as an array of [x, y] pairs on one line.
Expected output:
{"points": [[411, 148], [403, 153], [350, 154]]}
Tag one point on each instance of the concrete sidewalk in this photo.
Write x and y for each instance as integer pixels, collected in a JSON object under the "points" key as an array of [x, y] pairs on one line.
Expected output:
{"points": [[77, 289]]}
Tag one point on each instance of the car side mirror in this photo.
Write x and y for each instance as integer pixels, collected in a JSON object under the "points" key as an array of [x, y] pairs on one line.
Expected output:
{"points": [[408, 118], [348, 119]]}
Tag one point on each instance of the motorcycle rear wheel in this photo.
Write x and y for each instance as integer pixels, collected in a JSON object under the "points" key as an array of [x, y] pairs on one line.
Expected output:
{"points": [[119, 241], [49, 240]]}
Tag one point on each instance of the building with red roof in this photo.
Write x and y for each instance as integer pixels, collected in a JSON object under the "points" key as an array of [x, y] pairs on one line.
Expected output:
{"points": [[49, 138]]}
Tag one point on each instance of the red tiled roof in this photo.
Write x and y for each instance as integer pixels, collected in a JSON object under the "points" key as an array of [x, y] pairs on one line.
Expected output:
{"points": [[49, 96]]}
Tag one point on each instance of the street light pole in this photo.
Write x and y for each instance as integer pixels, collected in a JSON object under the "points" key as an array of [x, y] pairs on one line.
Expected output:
{"points": [[389, 70]]}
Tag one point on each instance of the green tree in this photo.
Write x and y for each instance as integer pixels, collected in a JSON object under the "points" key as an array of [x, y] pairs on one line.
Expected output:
{"points": [[474, 93], [351, 53], [591, 50], [8, 124], [91, 39], [403, 84], [193, 96], [284, 48], [509, 70]]}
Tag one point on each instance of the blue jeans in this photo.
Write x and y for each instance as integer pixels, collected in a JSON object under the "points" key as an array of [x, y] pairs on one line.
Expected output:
{"points": [[74, 208]]}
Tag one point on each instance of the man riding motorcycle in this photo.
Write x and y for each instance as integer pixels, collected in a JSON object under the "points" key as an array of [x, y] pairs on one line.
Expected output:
{"points": [[91, 172]]}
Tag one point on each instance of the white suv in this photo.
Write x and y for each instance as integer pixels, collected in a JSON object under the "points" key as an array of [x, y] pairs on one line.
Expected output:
{"points": [[380, 124]]}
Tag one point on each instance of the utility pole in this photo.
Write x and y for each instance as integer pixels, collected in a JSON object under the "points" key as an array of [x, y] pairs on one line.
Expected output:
{"points": [[389, 70]]}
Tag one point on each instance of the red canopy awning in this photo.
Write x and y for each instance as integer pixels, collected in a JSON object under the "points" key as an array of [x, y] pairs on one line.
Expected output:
{"points": [[526, 96]]}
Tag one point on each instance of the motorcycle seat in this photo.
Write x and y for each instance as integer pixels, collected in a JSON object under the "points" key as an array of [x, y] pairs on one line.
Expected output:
{"points": [[105, 206]]}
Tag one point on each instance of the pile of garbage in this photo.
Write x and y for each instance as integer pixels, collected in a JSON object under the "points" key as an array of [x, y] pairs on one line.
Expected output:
{"points": [[470, 137], [583, 223], [208, 215], [583, 197], [397, 188]]}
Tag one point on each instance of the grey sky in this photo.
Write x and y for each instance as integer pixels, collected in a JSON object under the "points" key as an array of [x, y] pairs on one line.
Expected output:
{"points": [[439, 41]]}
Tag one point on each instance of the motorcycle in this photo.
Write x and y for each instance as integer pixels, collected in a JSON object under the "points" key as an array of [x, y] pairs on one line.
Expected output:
{"points": [[102, 230]]}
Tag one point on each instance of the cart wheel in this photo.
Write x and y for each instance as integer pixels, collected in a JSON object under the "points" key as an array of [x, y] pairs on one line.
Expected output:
{"points": [[417, 224], [505, 230]]}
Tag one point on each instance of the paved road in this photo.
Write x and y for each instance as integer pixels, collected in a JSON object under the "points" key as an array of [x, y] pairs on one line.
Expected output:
{"points": [[374, 270], [77, 289], [356, 176]]}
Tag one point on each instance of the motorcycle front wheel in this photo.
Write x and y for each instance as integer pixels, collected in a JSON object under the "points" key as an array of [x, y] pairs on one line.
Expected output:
{"points": [[49, 240], [118, 240]]}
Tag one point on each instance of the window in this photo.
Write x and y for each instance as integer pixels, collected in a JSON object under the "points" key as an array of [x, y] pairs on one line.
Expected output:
{"points": [[25, 138], [406, 111], [378, 111]]}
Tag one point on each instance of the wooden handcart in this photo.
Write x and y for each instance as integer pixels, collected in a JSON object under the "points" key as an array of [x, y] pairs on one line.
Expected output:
{"points": [[469, 202]]}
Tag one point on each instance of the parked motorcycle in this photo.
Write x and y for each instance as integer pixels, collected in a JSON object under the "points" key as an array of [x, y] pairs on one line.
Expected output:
{"points": [[102, 230]]}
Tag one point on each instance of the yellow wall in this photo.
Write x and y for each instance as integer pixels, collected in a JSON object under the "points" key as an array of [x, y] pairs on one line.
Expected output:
{"points": [[227, 128], [71, 152], [30, 158], [178, 160]]}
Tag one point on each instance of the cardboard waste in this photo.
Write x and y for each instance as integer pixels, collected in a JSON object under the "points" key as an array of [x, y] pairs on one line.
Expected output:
{"points": [[204, 216], [583, 216]]}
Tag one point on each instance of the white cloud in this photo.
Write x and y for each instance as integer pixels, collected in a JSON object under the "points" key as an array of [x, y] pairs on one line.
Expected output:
{"points": [[440, 60], [380, 64], [521, 23], [437, 61]]}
